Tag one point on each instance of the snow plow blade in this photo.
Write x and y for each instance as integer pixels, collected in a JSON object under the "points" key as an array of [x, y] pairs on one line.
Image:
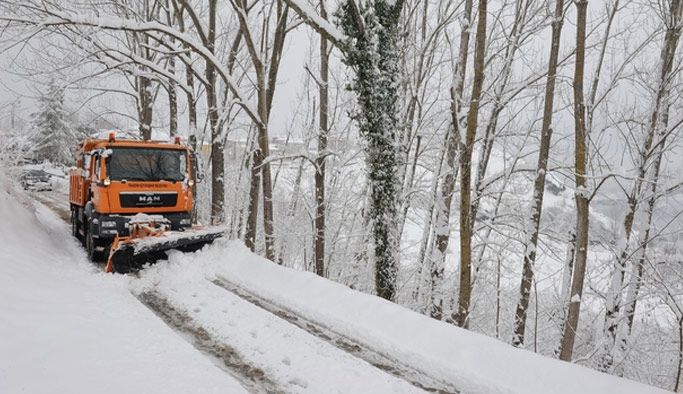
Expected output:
{"points": [[131, 253]]}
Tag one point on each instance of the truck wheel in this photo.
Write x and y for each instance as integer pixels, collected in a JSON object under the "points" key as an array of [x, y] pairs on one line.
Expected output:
{"points": [[74, 225], [91, 248], [82, 226]]}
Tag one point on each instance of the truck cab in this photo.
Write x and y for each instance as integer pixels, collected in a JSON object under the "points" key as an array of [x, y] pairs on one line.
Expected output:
{"points": [[115, 180]]}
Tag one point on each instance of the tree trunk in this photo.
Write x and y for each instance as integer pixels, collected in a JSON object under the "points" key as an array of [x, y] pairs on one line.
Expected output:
{"points": [[144, 83], [217, 145], [374, 53], [539, 183], [192, 124], [565, 286], [581, 195], [319, 223], [266, 77], [172, 91], [267, 191], [264, 111], [462, 316], [172, 101], [680, 355], [443, 214], [252, 210], [637, 273], [145, 107]]}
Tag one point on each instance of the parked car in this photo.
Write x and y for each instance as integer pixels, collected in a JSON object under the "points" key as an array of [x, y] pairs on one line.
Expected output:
{"points": [[35, 180]]}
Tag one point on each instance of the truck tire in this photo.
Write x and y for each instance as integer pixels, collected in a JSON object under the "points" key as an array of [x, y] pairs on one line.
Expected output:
{"points": [[75, 231], [82, 228], [74, 223], [91, 247]]}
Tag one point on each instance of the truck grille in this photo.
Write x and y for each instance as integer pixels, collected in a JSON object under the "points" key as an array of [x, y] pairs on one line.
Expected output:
{"points": [[142, 200]]}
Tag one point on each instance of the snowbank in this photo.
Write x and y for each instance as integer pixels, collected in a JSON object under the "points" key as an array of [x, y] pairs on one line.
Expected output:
{"points": [[473, 362]]}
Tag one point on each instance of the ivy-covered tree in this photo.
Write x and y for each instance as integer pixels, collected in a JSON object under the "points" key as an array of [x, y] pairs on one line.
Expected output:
{"points": [[372, 51], [53, 137]]}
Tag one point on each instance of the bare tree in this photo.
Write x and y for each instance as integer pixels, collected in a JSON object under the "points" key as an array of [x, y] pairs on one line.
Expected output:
{"points": [[465, 290], [539, 183], [648, 160], [320, 164], [581, 194], [266, 63], [453, 141]]}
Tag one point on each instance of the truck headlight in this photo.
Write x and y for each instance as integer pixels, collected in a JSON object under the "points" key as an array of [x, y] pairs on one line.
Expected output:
{"points": [[185, 222], [108, 223]]}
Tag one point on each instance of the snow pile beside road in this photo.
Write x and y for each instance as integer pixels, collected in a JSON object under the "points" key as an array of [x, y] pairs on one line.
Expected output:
{"points": [[65, 328], [473, 362]]}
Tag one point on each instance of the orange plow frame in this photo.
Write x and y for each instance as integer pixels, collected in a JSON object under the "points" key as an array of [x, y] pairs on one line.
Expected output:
{"points": [[138, 230]]}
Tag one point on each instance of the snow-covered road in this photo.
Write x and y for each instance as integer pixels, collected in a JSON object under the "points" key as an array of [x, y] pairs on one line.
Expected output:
{"points": [[225, 320], [66, 327]]}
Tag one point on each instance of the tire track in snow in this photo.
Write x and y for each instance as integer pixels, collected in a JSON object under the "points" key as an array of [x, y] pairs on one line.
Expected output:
{"points": [[394, 367], [287, 358], [228, 359], [57, 202], [225, 357]]}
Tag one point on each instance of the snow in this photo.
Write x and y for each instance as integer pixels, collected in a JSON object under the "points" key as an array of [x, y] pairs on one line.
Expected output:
{"points": [[67, 327], [142, 244], [300, 362], [115, 23], [476, 363], [308, 13]]}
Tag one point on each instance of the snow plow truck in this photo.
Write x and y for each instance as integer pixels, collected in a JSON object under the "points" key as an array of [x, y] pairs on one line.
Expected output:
{"points": [[131, 202]]}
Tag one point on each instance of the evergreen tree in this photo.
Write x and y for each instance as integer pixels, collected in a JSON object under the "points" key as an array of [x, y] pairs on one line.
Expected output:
{"points": [[53, 138]]}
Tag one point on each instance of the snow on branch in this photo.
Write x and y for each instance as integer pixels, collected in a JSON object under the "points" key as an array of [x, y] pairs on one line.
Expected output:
{"points": [[116, 23], [318, 23], [157, 71], [181, 53]]}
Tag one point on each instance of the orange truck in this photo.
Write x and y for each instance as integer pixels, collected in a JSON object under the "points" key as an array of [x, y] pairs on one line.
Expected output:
{"points": [[122, 191]]}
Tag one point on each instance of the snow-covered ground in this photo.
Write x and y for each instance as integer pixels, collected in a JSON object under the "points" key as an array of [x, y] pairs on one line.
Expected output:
{"points": [[66, 327]]}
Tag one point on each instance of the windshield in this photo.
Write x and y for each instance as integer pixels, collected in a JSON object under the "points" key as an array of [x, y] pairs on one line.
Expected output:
{"points": [[36, 174], [145, 164]]}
